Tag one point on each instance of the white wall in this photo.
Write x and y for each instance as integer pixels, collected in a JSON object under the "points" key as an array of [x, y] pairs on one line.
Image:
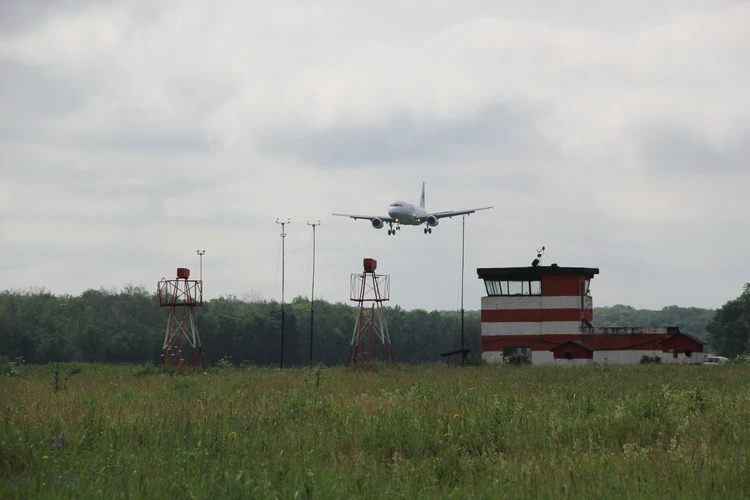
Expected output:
{"points": [[626, 356], [668, 357], [538, 357], [627, 330], [621, 357], [495, 303], [492, 356]]}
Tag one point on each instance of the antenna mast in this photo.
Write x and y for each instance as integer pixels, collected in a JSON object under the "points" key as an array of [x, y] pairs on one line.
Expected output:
{"points": [[312, 292], [283, 237]]}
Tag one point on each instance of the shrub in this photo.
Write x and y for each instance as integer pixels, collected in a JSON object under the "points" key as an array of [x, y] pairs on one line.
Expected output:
{"points": [[474, 360], [646, 359], [10, 368], [146, 370], [75, 369], [518, 359], [742, 359]]}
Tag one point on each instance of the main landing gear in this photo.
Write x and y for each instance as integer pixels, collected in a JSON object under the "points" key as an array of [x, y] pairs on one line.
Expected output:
{"points": [[428, 230], [392, 230]]}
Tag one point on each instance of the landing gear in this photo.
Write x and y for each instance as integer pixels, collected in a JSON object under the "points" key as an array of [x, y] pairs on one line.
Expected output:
{"points": [[393, 230], [428, 230]]}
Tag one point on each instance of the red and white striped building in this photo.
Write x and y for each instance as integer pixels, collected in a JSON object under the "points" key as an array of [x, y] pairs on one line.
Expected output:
{"points": [[546, 312]]}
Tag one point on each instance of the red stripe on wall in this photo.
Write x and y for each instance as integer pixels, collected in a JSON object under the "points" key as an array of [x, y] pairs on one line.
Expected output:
{"points": [[535, 315], [636, 341]]}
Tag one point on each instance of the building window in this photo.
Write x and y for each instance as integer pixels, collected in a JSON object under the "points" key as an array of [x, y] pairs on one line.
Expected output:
{"points": [[531, 287], [513, 287], [493, 287], [568, 354]]}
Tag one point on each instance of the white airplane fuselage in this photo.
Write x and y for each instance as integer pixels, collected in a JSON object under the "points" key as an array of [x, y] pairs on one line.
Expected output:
{"points": [[404, 213], [407, 214]]}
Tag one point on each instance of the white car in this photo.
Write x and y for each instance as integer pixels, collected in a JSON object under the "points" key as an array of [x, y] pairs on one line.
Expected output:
{"points": [[714, 360]]}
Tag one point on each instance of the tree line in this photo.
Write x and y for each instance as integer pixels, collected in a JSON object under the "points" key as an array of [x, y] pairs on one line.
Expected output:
{"points": [[128, 326]]}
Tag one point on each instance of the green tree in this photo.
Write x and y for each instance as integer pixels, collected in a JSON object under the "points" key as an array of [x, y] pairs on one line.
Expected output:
{"points": [[730, 327]]}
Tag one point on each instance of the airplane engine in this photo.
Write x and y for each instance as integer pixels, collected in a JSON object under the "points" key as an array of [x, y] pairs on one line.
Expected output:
{"points": [[377, 223], [432, 220]]}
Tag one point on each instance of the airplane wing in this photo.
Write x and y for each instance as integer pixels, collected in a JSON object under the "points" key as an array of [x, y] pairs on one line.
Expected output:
{"points": [[385, 219], [453, 213]]}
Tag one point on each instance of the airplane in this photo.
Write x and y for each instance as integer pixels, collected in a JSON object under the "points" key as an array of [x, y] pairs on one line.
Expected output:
{"points": [[401, 212]]}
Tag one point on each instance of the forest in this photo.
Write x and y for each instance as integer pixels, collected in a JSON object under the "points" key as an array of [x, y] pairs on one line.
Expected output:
{"points": [[128, 326]]}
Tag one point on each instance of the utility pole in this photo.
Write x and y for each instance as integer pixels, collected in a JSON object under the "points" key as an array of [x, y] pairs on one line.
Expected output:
{"points": [[463, 239], [312, 292], [201, 253], [283, 237]]}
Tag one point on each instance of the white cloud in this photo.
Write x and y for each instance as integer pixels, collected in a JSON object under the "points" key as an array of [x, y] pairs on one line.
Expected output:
{"points": [[592, 128]]}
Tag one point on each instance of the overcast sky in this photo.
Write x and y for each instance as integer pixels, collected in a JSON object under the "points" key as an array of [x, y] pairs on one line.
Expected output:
{"points": [[615, 133]]}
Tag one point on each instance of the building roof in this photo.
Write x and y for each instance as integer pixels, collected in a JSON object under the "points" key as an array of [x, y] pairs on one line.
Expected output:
{"points": [[533, 272], [576, 342], [460, 351], [691, 337]]}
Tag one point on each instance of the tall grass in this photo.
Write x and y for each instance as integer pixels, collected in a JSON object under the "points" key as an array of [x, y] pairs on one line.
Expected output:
{"points": [[409, 432]]}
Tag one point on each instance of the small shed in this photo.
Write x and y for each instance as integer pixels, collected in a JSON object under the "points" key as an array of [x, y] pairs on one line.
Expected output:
{"points": [[683, 347], [456, 358]]}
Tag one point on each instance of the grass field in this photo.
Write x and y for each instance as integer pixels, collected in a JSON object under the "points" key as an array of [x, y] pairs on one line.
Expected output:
{"points": [[97, 431]]}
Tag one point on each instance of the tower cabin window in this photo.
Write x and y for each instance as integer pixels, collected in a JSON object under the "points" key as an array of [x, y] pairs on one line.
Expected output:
{"points": [[496, 287]]}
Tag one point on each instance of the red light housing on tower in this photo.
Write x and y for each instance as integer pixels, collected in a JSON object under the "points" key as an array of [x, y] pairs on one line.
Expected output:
{"points": [[370, 265], [183, 273]]}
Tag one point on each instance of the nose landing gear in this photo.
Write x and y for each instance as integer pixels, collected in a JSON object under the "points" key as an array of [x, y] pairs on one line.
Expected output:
{"points": [[428, 230]]}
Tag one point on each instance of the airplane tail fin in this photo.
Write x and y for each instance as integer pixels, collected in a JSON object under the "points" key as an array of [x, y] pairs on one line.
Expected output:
{"points": [[421, 199]]}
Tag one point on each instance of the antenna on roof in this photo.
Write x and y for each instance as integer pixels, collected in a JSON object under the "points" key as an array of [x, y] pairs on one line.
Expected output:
{"points": [[539, 255]]}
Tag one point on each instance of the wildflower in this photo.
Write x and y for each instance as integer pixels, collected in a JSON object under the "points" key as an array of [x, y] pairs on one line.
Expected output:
{"points": [[45, 457], [199, 401], [58, 441], [447, 434], [231, 434], [455, 415]]}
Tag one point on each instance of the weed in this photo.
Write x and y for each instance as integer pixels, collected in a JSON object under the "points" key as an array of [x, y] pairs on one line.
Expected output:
{"points": [[10, 368], [58, 383], [75, 369], [148, 369], [406, 431]]}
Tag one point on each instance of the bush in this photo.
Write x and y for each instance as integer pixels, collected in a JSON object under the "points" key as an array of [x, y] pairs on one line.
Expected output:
{"points": [[647, 360], [742, 359], [475, 360], [10, 368], [146, 370], [75, 369], [224, 362], [518, 359]]}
